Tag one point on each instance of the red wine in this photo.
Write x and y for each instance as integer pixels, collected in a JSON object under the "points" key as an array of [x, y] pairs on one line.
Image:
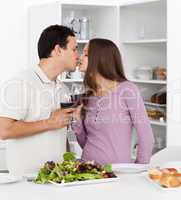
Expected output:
{"points": [[67, 105], [77, 98]]}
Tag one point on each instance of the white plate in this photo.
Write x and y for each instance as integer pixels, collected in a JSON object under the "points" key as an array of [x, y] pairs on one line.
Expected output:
{"points": [[129, 167], [8, 178], [96, 181]]}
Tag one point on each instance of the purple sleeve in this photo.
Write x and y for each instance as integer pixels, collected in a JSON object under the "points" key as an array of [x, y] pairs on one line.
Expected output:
{"points": [[80, 132], [141, 123]]}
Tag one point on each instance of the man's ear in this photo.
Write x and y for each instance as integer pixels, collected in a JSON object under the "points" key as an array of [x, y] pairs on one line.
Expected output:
{"points": [[57, 49]]}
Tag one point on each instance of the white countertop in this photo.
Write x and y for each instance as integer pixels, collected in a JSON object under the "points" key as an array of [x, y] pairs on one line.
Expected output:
{"points": [[130, 187]]}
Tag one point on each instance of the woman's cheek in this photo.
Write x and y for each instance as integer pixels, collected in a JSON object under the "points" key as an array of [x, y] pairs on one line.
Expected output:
{"points": [[83, 66]]}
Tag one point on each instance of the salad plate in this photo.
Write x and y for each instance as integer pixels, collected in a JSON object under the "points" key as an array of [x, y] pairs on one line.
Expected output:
{"points": [[86, 182], [74, 172]]}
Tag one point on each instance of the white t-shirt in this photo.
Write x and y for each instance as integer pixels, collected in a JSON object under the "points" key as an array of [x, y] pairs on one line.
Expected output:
{"points": [[29, 97]]}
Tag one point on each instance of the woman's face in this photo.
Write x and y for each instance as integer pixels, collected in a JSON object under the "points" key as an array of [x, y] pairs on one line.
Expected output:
{"points": [[84, 59]]}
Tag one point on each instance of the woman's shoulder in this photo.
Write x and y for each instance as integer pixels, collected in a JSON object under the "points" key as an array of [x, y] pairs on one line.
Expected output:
{"points": [[128, 85]]}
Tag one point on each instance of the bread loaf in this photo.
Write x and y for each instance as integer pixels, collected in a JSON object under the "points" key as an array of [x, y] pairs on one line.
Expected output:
{"points": [[159, 98], [170, 181], [166, 177]]}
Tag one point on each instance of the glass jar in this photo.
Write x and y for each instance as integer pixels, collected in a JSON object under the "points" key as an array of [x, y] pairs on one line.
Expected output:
{"points": [[84, 28], [144, 73]]}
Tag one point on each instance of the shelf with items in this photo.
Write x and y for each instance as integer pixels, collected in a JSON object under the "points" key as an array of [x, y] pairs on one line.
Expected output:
{"points": [[150, 75], [72, 14]]}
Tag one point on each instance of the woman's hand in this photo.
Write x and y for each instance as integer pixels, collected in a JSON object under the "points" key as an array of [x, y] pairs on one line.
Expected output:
{"points": [[77, 113]]}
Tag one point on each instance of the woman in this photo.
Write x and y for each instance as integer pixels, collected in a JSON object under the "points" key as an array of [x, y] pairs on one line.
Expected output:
{"points": [[113, 108]]}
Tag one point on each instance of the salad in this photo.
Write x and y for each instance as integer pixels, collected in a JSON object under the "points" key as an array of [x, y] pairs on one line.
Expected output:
{"points": [[71, 170]]}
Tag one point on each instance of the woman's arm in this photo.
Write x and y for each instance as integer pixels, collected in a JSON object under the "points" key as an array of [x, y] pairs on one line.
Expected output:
{"points": [[141, 122]]}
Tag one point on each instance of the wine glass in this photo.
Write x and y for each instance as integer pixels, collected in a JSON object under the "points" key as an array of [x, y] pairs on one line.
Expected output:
{"points": [[65, 103], [77, 94]]}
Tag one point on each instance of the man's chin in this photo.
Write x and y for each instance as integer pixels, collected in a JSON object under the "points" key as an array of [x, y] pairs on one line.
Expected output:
{"points": [[72, 69]]}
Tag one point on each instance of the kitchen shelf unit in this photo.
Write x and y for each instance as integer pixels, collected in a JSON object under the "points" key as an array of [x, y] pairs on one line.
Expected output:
{"points": [[143, 43]]}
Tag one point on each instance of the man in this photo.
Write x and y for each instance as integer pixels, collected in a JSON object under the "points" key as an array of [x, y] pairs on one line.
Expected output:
{"points": [[30, 116]]}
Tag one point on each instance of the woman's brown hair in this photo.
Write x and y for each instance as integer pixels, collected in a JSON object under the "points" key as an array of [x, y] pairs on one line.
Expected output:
{"points": [[103, 58]]}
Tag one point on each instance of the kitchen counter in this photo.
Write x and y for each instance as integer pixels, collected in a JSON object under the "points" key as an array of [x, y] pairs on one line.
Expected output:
{"points": [[130, 187]]}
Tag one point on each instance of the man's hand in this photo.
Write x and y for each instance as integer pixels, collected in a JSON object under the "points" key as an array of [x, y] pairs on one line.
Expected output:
{"points": [[60, 118]]}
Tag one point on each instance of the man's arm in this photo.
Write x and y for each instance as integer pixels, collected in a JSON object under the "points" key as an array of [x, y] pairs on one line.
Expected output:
{"points": [[10, 128]]}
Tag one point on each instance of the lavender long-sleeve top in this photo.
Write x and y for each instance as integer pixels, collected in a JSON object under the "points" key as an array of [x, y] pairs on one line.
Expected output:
{"points": [[105, 134]]}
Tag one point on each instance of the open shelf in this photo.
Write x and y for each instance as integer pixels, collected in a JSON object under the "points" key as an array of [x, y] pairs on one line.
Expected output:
{"points": [[154, 104], [145, 41], [158, 123], [148, 81], [71, 80], [82, 41], [138, 2]]}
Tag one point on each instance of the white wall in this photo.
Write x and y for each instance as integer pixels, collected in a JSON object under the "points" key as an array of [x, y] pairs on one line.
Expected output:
{"points": [[13, 37], [174, 72]]}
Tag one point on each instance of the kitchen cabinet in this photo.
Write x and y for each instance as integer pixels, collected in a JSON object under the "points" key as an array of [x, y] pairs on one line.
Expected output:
{"points": [[137, 27]]}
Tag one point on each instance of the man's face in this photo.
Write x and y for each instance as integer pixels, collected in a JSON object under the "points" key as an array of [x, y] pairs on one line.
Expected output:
{"points": [[70, 55]]}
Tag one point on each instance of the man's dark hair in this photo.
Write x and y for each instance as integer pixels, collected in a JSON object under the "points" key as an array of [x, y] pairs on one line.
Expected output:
{"points": [[51, 36]]}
